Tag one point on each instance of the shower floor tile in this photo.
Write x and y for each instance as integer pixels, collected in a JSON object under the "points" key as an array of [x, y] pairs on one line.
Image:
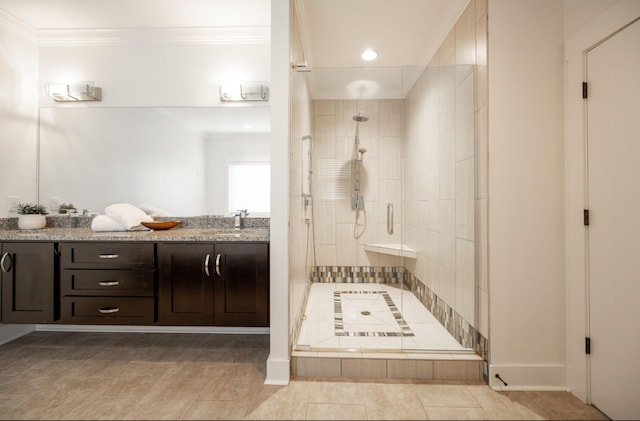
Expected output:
{"points": [[370, 317], [367, 313]]}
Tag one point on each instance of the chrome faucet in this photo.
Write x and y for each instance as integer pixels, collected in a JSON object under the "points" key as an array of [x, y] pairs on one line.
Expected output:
{"points": [[239, 215]]}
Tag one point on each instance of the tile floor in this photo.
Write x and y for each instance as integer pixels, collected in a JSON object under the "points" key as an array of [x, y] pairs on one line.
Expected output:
{"points": [[64, 375], [370, 317]]}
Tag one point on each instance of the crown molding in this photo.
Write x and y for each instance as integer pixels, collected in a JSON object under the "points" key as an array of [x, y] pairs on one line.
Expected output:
{"points": [[16, 24], [117, 36]]}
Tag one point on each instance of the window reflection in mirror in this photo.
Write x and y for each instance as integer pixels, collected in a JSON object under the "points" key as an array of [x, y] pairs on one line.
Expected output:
{"points": [[249, 187]]}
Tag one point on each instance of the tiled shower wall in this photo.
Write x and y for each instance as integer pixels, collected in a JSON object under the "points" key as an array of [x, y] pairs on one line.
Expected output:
{"points": [[336, 227], [439, 188], [445, 163]]}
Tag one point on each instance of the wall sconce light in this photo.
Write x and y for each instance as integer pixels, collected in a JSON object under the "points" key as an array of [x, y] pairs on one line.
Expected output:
{"points": [[247, 91], [74, 92]]}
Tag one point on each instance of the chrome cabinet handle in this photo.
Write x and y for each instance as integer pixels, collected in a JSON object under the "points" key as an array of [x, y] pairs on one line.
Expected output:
{"points": [[108, 310], [108, 283], [218, 264], [206, 265], [108, 256], [390, 218], [4, 258]]}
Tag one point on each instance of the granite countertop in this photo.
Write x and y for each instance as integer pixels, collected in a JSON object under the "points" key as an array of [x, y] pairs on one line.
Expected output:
{"points": [[174, 234], [192, 228]]}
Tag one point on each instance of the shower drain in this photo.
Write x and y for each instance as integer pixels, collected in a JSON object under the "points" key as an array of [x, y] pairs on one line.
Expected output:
{"points": [[365, 313]]}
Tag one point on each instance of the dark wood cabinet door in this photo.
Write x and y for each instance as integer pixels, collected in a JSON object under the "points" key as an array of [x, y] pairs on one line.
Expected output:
{"points": [[28, 277], [185, 291], [241, 285]]}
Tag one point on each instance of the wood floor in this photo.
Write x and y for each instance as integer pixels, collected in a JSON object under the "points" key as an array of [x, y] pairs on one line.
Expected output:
{"points": [[91, 376]]}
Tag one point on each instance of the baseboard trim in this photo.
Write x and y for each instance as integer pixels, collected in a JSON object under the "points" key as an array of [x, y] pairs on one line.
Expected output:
{"points": [[10, 332], [154, 329], [278, 371], [528, 377]]}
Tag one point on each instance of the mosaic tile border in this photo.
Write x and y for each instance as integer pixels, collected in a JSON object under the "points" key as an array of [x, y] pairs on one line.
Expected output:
{"points": [[405, 330], [357, 274]]}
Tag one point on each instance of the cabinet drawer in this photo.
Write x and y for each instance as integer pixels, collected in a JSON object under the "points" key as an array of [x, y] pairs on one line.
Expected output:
{"points": [[107, 282], [108, 310], [107, 255]]}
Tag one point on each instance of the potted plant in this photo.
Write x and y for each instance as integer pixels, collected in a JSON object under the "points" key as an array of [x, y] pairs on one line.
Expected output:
{"points": [[67, 208], [32, 216]]}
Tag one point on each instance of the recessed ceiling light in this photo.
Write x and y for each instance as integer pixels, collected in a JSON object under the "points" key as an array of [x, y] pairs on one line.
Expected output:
{"points": [[369, 54]]}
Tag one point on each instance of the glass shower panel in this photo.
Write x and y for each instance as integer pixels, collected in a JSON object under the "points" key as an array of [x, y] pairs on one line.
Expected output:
{"points": [[438, 199], [390, 209]]}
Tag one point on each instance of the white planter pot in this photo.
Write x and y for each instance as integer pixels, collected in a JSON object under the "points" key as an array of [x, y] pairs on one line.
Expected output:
{"points": [[31, 222]]}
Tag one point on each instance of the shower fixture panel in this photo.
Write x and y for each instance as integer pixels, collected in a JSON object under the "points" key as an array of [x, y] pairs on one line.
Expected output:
{"points": [[357, 200]]}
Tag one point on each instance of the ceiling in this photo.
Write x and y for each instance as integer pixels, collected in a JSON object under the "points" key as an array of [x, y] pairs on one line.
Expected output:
{"points": [[119, 14], [333, 32], [404, 32]]}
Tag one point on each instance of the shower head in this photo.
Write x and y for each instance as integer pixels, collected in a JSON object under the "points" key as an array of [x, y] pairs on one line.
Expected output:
{"points": [[360, 118], [362, 150]]}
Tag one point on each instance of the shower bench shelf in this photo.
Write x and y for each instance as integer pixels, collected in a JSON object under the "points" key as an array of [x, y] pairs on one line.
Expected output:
{"points": [[392, 249]]}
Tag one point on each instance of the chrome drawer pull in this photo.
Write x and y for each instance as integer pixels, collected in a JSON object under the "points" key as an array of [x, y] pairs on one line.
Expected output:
{"points": [[108, 256], [206, 265], [4, 258], [108, 283], [108, 310], [218, 264]]}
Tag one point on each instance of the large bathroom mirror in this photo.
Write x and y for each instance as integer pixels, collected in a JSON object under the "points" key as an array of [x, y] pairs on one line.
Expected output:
{"points": [[174, 159]]}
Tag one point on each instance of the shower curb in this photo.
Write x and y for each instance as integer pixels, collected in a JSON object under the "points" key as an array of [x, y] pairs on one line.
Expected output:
{"points": [[464, 367]]}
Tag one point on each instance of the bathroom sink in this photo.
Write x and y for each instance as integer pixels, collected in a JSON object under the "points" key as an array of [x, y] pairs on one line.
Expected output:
{"points": [[244, 233]]}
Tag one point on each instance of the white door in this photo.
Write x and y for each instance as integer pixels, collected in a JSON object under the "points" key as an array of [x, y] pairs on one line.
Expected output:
{"points": [[613, 139]]}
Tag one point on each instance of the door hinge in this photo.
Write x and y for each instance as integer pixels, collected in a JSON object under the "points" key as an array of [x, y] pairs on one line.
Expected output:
{"points": [[584, 90], [585, 217], [587, 346]]}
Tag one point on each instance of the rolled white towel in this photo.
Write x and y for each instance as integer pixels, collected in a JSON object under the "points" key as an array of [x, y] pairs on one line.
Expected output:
{"points": [[154, 210], [106, 223], [128, 215]]}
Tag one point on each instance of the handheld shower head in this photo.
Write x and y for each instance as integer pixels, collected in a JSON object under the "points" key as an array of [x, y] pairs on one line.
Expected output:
{"points": [[362, 150]]}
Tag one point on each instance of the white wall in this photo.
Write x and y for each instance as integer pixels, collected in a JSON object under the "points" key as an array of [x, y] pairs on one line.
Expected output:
{"points": [[526, 193], [18, 112], [278, 363], [18, 125], [154, 74]]}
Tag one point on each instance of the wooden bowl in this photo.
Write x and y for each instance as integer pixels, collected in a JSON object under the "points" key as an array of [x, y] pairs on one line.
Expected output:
{"points": [[161, 225]]}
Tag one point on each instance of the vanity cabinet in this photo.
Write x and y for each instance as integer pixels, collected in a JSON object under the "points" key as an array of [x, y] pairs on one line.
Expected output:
{"points": [[241, 288], [185, 284], [28, 282], [107, 283], [221, 284]]}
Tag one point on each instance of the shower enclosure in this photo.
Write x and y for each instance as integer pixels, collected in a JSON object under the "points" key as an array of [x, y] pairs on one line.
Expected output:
{"points": [[388, 187]]}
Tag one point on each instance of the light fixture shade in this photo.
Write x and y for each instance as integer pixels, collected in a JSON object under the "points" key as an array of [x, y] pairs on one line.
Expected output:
{"points": [[245, 91], [74, 92]]}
